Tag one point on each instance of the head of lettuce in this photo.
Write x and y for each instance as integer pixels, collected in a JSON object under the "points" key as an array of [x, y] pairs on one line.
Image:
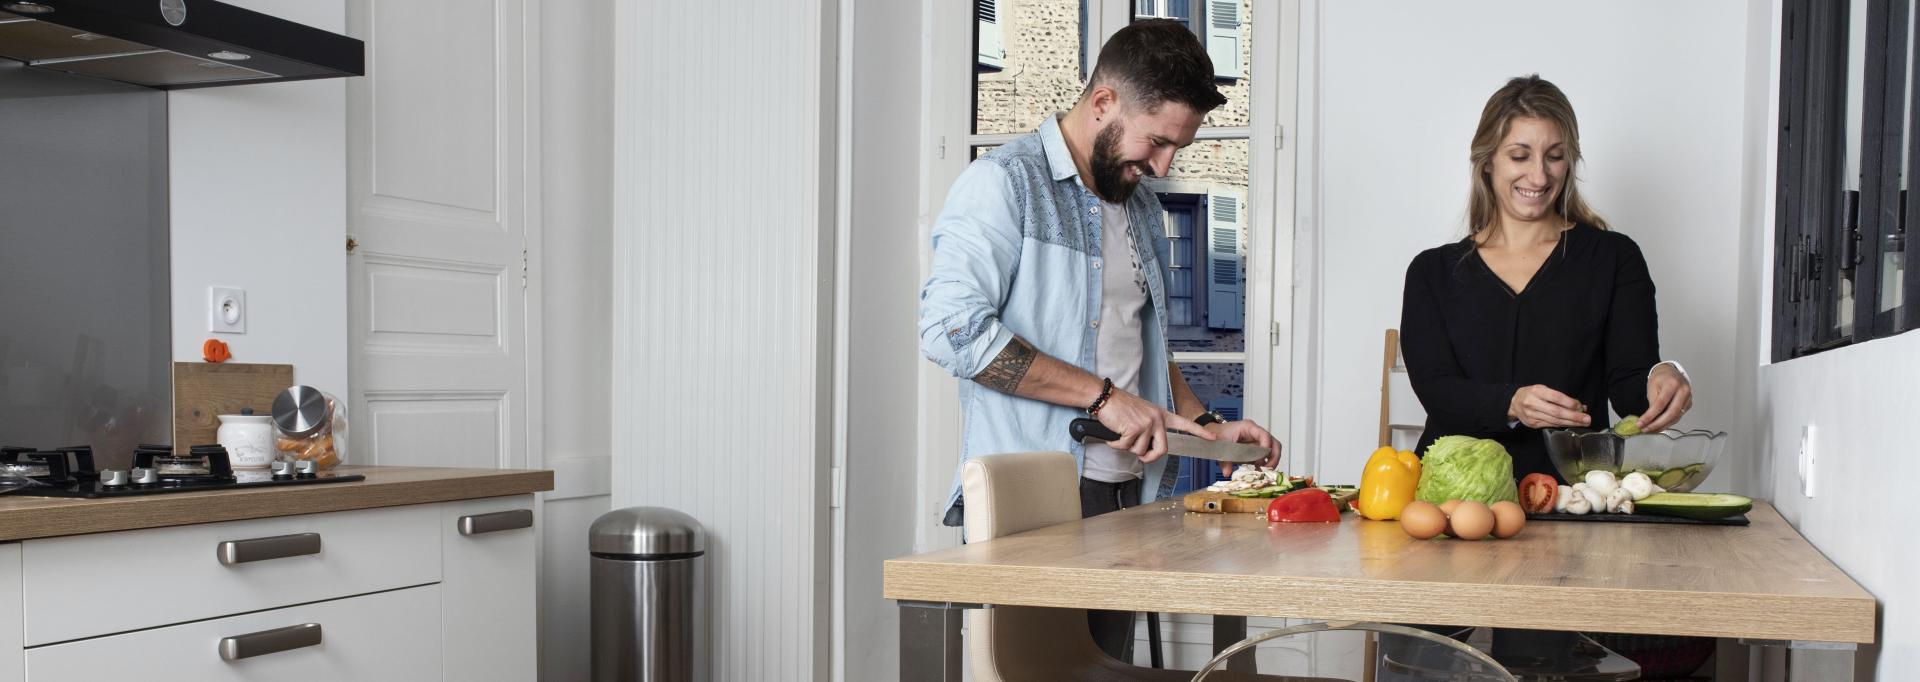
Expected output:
{"points": [[1466, 468]]}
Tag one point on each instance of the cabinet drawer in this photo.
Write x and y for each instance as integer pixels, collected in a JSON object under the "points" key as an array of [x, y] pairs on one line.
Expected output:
{"points": [[91, 585], [488, 586], [386, 636]]}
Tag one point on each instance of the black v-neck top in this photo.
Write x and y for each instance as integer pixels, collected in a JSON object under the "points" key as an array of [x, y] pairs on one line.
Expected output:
{"points": [[1584, 325]]}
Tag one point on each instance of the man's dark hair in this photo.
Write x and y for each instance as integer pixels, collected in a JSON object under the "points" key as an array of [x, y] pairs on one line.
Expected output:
{"points": [[1154, 61]]}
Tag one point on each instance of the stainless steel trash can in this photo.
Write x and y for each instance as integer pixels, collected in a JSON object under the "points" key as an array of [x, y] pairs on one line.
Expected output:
{"points": [[649, 602]]}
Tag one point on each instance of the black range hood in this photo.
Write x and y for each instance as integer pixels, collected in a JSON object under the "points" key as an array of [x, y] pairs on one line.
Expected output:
{"points": [[171, 44]]}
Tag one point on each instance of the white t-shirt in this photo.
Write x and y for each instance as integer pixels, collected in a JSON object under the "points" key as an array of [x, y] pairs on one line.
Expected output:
{"points": [[1119, 345]]}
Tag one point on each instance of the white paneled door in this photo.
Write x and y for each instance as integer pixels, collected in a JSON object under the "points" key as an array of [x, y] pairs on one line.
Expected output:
{"points": [[437, 276]]}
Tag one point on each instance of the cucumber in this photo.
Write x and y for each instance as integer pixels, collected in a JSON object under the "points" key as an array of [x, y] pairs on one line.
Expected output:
{"points": [[1269, 491], [1671, 478], [1704, 506]]}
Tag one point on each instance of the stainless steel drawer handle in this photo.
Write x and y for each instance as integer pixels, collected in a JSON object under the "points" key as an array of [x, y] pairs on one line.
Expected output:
{"points": [[261, 549], [476, 524], [269, 641]]}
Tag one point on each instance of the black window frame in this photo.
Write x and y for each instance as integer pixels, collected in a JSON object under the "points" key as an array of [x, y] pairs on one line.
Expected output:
{"points": [[1827, 237]]}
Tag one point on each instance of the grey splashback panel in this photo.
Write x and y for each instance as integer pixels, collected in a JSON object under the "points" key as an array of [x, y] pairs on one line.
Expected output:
{"points": [[85, 289]]}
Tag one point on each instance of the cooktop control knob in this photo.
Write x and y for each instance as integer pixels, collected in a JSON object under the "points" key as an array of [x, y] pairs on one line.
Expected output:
{"points": [[305, 468], [113, 478], [282, 471], [145, 476]]}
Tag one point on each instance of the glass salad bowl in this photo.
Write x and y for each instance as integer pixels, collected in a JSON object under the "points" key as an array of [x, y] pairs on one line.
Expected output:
{"points": [[1676, 460]]}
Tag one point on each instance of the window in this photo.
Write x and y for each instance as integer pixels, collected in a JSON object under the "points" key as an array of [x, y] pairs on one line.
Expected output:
{"points": [[1228, 196], [1846, 124]]}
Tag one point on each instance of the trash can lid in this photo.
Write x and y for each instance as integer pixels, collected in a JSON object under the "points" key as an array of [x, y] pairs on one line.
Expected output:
{"points": [[646, 531]]}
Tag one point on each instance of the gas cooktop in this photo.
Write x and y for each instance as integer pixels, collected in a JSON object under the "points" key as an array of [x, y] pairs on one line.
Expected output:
{"points": [[69, 472]]}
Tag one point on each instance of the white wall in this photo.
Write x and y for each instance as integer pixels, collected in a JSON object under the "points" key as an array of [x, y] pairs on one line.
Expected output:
{"points": [[575, 271], [883, 289], [258, 176], [1859, 399], [1659, 88], [724, 223]]}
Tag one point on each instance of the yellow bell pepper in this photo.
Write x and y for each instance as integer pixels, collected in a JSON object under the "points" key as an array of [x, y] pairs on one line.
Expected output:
{"points": [[1386, 486]]}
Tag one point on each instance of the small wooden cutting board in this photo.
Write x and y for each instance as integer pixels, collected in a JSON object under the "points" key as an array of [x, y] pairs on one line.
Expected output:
{"points": [[1207, 502]]}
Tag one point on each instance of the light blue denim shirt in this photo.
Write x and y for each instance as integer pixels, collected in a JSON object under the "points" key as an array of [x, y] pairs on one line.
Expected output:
{"points": [[1016, 251]]}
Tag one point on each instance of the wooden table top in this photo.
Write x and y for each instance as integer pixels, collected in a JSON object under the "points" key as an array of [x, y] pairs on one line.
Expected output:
{"points": [[23, 517], [1759, 581]]}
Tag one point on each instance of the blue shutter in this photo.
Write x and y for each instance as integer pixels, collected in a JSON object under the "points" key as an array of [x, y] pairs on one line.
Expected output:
{"points": [[1226, 267], [1223, 37], [1228, 406], [990, 51]]}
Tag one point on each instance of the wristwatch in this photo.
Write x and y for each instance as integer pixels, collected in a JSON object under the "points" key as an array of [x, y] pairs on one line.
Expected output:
{"points": [[1208, 417]]}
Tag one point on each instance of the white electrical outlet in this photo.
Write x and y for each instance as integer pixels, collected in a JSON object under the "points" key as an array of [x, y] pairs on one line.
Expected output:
{"points": [[1809, 459], [227, 310]]}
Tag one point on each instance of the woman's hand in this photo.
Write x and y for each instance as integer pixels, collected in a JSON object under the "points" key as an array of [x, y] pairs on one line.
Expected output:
{"points": [[1669, 396], [1245, 431], [1143, 425], [1540, 407]]}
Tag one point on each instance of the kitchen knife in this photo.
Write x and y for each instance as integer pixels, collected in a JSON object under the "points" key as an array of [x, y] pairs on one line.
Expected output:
{"points": [[1178, 443]]}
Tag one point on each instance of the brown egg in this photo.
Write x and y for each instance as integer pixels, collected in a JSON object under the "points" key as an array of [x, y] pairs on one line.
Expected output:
{"points": [[1508, 519], [1470, 521], [1448, 506], [1422, 520]]}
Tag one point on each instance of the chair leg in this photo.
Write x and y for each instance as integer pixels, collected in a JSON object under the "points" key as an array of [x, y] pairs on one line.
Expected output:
{"points": [[1153, 640]]}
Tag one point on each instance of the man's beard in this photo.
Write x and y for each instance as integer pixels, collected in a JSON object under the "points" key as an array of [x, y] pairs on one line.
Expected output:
{"points": [[1109, 172]]}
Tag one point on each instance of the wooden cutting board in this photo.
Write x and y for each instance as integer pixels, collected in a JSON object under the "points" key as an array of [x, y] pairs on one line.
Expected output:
{"points": [[202, 391], [1222, 503]]}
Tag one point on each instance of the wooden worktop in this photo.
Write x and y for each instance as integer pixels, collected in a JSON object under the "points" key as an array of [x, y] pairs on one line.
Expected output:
{"points": [[1759, 581], [23, 517]]}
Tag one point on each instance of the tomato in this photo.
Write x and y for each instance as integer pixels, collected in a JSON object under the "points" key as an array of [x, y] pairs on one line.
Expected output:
{"points": [[1310, 505], [215, 350], [1538, 493]]}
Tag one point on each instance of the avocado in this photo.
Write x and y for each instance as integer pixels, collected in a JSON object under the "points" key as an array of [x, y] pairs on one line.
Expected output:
{"points": [[1704, 506]]}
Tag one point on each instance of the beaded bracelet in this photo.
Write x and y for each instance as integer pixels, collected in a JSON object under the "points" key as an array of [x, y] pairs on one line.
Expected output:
{"points": [[1106, 391]]}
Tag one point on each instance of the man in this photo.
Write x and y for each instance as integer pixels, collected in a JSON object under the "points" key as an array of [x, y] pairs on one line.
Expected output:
{"points": [[1047, 294]]}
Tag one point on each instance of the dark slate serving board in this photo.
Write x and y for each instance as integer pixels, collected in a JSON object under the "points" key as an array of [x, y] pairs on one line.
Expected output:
{"points": [[1735, 520]]}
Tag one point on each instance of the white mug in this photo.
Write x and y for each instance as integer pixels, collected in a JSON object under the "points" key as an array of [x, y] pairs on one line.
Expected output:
{"points": [[248, 439]]}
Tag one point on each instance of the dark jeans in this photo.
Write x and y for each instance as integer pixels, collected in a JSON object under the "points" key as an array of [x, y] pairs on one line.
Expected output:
{"points": [[1112, 630]]}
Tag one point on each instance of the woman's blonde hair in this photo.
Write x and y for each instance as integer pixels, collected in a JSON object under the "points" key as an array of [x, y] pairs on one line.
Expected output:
{"points": [[1529, 96]]}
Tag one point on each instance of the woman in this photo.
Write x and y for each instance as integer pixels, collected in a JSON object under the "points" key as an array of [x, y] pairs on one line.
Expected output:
{"points": [[1541, 315]]}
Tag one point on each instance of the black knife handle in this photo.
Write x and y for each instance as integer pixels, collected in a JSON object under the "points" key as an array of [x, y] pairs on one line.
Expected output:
{"points": [[1083, 429]]}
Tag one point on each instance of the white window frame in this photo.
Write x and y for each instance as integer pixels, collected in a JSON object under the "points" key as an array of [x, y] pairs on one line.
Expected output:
{"points": [[1271, 215]]}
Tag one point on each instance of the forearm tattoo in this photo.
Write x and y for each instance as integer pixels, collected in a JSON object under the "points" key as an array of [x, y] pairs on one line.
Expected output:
{"points": [[1007, 369]]}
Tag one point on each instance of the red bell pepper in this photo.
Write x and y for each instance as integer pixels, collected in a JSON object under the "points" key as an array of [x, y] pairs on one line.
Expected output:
{"points": [[1312, 505]]}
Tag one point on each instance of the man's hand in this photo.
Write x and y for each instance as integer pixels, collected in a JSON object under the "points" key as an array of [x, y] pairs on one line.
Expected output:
{"points": [[1143, 425], [1245, 431], [1540, 407], [1669, 396]]}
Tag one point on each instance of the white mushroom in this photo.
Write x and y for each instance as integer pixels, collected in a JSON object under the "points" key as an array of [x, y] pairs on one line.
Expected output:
{"points": [[1602, 482], [1560, 501], [1618, 496], [1638, 485], [1577, 503], [1595, 501], [1626, 507]]}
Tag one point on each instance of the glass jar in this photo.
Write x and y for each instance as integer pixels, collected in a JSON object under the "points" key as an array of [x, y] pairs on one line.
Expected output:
{"points": [[310, 425]]}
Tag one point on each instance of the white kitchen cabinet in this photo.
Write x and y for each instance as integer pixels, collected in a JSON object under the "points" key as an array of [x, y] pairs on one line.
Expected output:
{"points": [[381, 637], [13, 659], [171, 575], [488, 588], [398, 593]]}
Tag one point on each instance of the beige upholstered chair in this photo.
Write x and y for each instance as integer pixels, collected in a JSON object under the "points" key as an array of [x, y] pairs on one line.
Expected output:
{"points": [[1013, 493]]}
